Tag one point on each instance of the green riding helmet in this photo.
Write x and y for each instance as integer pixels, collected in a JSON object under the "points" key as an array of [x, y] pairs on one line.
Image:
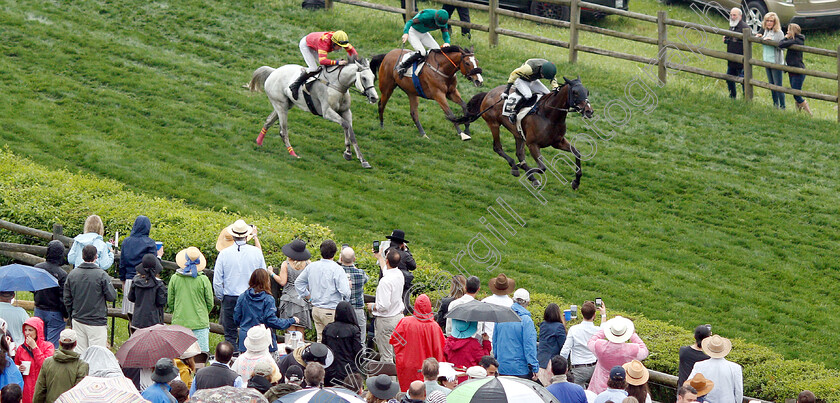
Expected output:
{"points": [[441, 18], [548, 70]]}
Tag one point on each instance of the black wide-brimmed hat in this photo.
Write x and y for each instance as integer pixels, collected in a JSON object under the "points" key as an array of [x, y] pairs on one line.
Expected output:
{"points": [[397, 236], [382, 387], [296, 250], [165, 371]]}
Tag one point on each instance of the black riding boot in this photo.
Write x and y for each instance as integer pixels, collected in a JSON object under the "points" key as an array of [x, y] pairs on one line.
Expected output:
{"points": [[516, 108], [408, 62], [300, 80]]}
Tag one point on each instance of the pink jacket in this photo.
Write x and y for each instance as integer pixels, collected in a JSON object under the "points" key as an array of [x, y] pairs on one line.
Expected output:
{"points": [[610, 354]]}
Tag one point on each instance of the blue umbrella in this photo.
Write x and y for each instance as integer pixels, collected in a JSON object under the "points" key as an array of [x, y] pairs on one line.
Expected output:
{"points": [[19, 277]]}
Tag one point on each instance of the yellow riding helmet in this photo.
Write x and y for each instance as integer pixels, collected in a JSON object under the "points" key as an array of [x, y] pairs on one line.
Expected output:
{"points": [[340, 38]]}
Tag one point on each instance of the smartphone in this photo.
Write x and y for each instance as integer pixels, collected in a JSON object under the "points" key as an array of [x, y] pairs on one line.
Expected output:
{"points": [[597, 302], [709, 327], [345, 245], [375, 246]]}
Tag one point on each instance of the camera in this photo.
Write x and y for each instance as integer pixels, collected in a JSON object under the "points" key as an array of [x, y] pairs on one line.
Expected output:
{"points": [[375, 246], [597, 302]]}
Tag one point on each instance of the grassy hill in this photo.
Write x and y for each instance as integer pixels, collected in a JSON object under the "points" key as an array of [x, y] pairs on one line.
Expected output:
{"points": [[704, 210]]}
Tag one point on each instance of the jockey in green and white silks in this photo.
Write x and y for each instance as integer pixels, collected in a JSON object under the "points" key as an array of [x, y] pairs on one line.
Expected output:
{"points": [[417, 33]]}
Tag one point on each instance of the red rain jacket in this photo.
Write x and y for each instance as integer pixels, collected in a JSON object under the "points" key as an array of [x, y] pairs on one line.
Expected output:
{"points": [[38, 355], [414, 339]]}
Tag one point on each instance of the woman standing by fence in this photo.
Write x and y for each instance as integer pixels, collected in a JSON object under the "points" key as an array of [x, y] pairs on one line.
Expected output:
{"points": [[773, 54], [793, 58]]}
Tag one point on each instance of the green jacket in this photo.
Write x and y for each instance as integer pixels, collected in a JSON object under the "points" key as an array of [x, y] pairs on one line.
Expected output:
{"points": [[424, 22], [60, 373], [190, 300]]}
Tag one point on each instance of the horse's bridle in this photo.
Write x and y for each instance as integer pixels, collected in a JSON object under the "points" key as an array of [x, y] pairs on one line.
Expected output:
{"points": [[338, 78], [573, 107]]}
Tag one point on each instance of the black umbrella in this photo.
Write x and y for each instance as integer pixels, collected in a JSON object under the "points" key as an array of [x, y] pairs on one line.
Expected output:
{"points": [[477, 311]]}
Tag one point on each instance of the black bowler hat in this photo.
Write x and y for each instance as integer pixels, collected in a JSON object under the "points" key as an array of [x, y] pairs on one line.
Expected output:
{"points": [[397, 236], [296, 250]]}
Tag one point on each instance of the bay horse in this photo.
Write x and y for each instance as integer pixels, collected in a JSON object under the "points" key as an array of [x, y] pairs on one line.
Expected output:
{"points": [[545, 126], [437, 81], [330, 98]]}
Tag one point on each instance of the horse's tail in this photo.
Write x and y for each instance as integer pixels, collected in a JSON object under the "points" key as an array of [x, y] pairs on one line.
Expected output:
{"points": [[375, 62], [258, 79], [473, 110]]}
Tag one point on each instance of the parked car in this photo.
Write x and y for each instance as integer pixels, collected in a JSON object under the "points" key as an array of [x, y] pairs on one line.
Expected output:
{"points": [[809, 14], [556, 11]]}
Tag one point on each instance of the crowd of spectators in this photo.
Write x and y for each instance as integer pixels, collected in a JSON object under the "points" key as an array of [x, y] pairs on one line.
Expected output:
{"points": [[428, 353]]}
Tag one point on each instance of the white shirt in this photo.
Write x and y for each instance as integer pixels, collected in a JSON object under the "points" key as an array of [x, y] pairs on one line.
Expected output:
{"points": [[389, 300], [487, 327], [727, 376], [463, 300], [576, 341]]}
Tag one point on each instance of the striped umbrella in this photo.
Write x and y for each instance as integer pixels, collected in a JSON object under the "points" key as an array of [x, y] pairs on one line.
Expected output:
{"points": [[325, 395], [93, 389], [146, 346], [501, 389]]}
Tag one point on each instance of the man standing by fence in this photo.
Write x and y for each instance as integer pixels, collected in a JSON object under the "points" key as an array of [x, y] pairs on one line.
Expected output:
{"points": [[735, 46], [87, 291]]}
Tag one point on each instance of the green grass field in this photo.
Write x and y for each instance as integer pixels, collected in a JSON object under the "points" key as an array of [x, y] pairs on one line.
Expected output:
{"points": [[704, 210]]}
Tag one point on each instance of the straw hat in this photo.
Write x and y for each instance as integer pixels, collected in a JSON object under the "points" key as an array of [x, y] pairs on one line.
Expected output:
{"points": [[194, 351], [193, 253], [637, 374], [716, 346], [699, 382], [239, 229], [258, 339], [476, 372], [619, 329], [502, 285]]}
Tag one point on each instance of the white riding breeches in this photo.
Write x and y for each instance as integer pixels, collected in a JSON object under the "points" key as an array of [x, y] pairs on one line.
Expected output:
{"points": [[310, 56], [529, 88], [421, 41]]}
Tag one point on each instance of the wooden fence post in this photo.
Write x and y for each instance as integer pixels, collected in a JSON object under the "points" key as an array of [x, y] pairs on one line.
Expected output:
{"points": [[328, 4], [574, 20], [58, 230], [748, 89], [838, 83], [662, 37], [494, 23], [409, 10]]}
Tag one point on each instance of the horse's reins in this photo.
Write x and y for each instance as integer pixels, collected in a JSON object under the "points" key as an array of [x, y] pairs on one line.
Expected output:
{"points": [[572, 107], [353, 88]]}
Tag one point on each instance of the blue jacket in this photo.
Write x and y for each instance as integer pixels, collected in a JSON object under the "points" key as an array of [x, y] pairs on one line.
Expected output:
{"points": [[552, 337], [11, 374], [135, 246], [253, 309], [515, 344], [159, 393], [105, 257]]}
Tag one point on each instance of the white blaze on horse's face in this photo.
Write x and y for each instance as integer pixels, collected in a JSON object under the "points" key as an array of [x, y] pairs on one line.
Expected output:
{"points": [[365, 84], [478, 79]]}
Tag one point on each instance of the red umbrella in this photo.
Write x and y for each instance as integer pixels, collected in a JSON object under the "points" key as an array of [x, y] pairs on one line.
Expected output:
{"points": [[146, 346]]}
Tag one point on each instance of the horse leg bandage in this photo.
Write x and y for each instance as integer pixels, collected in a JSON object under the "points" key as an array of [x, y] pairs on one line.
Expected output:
{"points": [[292, 152], [261, 137]]}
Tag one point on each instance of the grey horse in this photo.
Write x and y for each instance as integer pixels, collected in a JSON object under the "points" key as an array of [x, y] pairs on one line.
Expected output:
{"points": [[330, 98]]}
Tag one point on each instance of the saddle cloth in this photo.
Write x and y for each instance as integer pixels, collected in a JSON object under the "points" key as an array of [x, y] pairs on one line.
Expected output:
{"points": [[510, 104], [410, 72]]}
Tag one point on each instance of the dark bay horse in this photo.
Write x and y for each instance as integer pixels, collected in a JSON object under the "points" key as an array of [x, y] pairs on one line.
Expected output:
{"points": [[437, 81], [544, 127]]}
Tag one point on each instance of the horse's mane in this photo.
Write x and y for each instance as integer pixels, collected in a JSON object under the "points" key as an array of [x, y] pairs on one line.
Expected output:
{"points": [[450, 49]]}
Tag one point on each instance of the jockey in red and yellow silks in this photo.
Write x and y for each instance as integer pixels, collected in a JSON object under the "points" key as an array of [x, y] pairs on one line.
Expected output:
{"points": [[315, 48]]}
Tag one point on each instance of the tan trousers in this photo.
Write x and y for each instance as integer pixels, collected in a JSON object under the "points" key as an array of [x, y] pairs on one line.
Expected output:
{"points": [[89, 336], [322, 317], [383, 329]]}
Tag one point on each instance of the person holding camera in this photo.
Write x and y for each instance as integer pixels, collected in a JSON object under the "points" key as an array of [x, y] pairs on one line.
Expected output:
{"points": [[582, 361], [407, 263]]}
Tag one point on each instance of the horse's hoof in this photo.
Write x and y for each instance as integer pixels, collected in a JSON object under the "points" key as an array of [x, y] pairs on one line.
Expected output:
{"points": [[514, 172], [365, 164], [536, 183], [575, 185], [348, 156], [465, 136], [424, 136]]}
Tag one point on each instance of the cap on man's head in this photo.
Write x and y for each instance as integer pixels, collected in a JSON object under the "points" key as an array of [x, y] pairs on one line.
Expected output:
{"points": [[617, 373], [522, 294], [67, 336], [294, 373]]}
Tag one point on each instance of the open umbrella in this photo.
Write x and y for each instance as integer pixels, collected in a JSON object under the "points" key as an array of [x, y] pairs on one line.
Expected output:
{"points": [[477, 311], [93, 389], [20, 277], [228, 394], [325, 395], [146, 346], [501, 389]]}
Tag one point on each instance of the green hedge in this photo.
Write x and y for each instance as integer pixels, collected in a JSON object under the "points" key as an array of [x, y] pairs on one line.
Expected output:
{"points": [[37, 197]]}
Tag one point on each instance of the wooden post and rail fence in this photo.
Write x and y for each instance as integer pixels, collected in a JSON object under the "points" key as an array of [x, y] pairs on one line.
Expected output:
{"points": [[33, 254], [664, 46]]}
